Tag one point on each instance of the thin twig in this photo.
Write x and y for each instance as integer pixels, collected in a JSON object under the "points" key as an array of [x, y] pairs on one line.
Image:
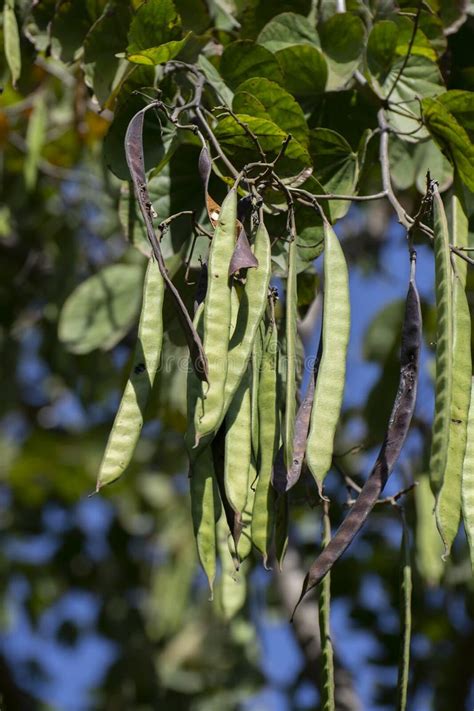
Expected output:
{"points": [[410, 47], [385, 168], [333, 196], [210, 133]]}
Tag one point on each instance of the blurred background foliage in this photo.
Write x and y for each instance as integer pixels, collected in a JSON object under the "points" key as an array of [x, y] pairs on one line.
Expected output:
{"points": [[103, 604]]}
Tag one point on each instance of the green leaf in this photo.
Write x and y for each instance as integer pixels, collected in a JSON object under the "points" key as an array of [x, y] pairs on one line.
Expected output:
{"points": [[304, 68], [349, 113], [156, 23], [420, 45], [11, 40], [286, 30], [382, 334], [194, 15], [224, 94], [420, 78], [70, 25], [342, 40], [241, 148], [427, 156], [271, 101], [100, 311], [35, 138], [381, 48], [432, 28], [451, 137], [402, 163], [106, 38], [335, 166], [461, 105], [244, 59], [453, 14], [258, 13], [309, 228], [389, 40], [158, 55]]}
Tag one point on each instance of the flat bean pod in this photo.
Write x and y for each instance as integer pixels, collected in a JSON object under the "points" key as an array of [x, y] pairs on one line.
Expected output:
{"points": [[251, 312], [129, 419], [269, 436], [444, 343], [217, 317], [396, 434], [205, 504], [282, 514], [205, 508], [238, 452], [448, 503], [290, 332], [468, 480], [244, 546], [251, 303], [256, 366], [232, 588], [329, 389]]}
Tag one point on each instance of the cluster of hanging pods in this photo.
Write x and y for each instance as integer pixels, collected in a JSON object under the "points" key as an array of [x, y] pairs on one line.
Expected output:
{"points": [[247, 440]]}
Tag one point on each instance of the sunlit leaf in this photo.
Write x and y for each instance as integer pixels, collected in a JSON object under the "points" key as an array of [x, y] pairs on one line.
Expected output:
{"points": [[420, 78], [335, 166], [275, 104], [239, 144], [451, 137], [158, 55]]}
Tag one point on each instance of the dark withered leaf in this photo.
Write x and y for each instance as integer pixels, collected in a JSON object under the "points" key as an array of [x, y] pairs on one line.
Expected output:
{"points": [[243, 257]]}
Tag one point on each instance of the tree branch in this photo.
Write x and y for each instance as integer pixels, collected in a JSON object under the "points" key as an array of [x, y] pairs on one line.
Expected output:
{"points": [[306, 627]]}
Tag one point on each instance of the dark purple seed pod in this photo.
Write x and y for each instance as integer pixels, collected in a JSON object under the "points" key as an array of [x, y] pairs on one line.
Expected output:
{"points": [[395, 437]]}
